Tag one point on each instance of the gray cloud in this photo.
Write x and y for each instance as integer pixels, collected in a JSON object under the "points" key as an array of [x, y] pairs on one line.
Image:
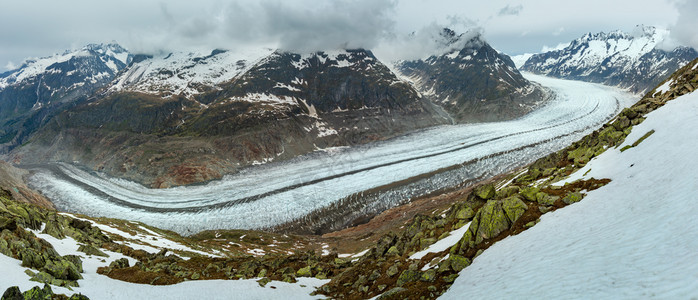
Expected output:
{"points": [[425, 42], [684, 32], [510, 10], [300, 26]]}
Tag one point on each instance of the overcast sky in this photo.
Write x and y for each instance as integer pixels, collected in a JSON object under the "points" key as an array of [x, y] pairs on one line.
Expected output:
{"points": [[43, 27]]}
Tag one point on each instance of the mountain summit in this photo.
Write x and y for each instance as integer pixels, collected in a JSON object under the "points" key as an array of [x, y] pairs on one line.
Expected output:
{"points": [[627, 60], [472, 81]]}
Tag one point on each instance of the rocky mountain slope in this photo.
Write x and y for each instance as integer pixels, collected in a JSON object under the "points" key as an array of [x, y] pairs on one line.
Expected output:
{"points": [[633, 61], [472, 81], [177, 118], [181, 119], [40, 88]]}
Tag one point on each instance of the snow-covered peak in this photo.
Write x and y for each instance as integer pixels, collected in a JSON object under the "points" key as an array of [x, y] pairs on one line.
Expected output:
{"points": [[338, 58], [591, 48], [186, 73], [108, 54]]}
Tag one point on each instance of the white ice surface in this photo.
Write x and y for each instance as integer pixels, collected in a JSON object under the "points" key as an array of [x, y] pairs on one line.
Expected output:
{"points": [[443, 244], [634, 238], [233, 202]]}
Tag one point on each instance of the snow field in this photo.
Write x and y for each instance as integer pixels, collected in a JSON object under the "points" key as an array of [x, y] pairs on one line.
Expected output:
{"points": [[634, 238]]}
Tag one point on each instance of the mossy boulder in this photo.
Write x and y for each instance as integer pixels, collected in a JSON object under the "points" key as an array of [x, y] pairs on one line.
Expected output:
{"points": [[485, 192], [457, 262], [408, 276], [393, 250], [507, 191], [91, 250], [545, 199], [392, 292], [572, 198], [464, 213], [491, 221], [530, 193], [62, 269], [393, 270], [428, 275], [12, 293], [514, 208], [304, 272]]}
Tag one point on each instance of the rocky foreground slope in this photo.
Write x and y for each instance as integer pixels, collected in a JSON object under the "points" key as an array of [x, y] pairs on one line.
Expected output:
{"points": [[633, 61], [420, 258]]}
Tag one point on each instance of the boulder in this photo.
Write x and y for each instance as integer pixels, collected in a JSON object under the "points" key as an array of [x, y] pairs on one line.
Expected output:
{"points": [[304, 272], [514, 208], [91, 250], [572, 198], [392, 292], [457, 262], [12, 293], [485, 192], [408, 276], [492, 221], [465, 213]]}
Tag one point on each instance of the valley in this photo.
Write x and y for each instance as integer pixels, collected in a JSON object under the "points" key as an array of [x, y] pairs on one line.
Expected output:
{"points": [[330, 189]]}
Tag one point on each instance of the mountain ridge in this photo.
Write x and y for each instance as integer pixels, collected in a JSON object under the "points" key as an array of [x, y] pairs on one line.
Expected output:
{"points": [[633, 61]]}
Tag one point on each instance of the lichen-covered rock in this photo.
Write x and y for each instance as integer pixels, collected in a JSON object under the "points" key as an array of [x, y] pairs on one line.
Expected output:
{"points": [[485, 192], [514, 208], [37, 293], [465, 213], [530, 193], [507, 191], [120, 263], [392, 292], [32, 258], [54, 229], [12, 293], [393, 251], [572, 198], [408, 276], [545, 199], [428, 275], [374, 275], [393, 270], [304, 272], [457, 262], [492, 221], [62, 269], [263, 282], [91, 250]]}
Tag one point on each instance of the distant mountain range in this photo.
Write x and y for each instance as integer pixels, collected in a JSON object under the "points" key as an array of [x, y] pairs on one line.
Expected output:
{"points": [[180, 118], [632, 61], [41, 87]]}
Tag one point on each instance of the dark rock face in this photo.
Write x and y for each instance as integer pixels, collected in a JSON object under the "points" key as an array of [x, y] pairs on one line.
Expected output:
{"points": [[39, 89], [474, 83], [617, 59]]}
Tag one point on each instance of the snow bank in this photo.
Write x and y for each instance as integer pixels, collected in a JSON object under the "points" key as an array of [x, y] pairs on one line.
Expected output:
{"points": [[634, 238]]}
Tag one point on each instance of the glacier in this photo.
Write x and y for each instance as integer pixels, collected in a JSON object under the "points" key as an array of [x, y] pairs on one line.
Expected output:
{"points": [[276, 193]]}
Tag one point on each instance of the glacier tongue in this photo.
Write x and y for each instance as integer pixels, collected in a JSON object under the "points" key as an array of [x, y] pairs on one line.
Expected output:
{"points": [[276, 193]]}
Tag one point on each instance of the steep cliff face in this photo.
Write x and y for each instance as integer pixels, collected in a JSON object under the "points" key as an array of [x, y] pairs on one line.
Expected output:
{"points": [[40, 88], [472, 81], [631, 61]]}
